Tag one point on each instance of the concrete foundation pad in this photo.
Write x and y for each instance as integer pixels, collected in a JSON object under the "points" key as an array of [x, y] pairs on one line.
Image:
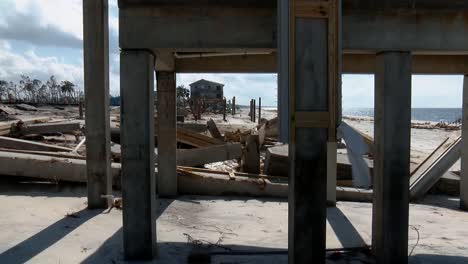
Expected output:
{"points": [[36, 229]]}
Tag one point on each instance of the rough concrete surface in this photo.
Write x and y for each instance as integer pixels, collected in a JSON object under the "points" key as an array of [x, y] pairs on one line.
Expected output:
{"points": [[36, 229]]}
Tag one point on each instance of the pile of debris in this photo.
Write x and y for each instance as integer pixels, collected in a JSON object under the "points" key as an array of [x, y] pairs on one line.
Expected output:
{"points": [[211, 161]]}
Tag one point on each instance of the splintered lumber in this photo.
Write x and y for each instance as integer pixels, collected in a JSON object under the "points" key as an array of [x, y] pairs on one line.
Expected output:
{"points": [[48, 128], [214, 131], [14, 143], [196, 140], [429, 172], [204, 155], [49, 168]]}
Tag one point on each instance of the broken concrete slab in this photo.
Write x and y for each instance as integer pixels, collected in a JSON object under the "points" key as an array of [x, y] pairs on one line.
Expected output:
{"points": [[277, 161]]}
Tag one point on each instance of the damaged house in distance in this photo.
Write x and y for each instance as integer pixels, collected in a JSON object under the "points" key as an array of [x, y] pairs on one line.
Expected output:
{"points": [[206, 89]]}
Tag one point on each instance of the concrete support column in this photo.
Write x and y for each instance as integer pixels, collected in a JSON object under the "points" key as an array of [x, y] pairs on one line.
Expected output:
{"points": [[137, 139], [96, 82], [331, 172], [167, 138], [308, 144], [392, 157], [464, 160], [283, 70]]}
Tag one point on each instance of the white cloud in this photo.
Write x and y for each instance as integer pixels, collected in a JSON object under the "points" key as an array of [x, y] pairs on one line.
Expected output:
{"points": [[12, 65], [51, 22]]}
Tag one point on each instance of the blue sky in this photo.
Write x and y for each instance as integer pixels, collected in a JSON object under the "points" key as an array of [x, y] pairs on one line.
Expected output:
{"points": [[41, 38]]}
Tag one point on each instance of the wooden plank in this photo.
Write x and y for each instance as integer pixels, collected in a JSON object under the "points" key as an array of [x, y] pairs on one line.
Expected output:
{"points": [[205, 155], [47, 128], [33, 120], [214, 131], [14, 143]]}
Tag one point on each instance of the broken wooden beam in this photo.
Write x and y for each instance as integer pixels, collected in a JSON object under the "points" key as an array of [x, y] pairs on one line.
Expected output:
{"points": [[47, 128], [14, 143], [428, 173], [214, 131], [195, 139], [5, 127], [49, 168], [205, 155]]}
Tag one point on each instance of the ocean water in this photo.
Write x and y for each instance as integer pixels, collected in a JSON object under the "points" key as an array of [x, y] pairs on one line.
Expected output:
{"points": [[421, 114]]}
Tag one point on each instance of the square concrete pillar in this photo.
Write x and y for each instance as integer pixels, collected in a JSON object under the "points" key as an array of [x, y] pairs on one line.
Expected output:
{"points": [[308, 144], [96, 82], [392, 157], [283, 70], [167, 133], [331, 172], [137, 140], [464, 159]]}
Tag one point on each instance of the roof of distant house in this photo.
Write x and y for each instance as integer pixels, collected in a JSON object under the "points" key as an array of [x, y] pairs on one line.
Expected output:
{"points": [[203, 80]]}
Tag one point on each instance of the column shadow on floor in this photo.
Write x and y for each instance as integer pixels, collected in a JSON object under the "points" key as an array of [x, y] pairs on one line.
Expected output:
{"points": [[346, 233], [34, 245]]}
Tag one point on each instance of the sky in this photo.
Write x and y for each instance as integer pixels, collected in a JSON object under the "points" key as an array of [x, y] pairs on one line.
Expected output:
{"points": [[40, 38]]}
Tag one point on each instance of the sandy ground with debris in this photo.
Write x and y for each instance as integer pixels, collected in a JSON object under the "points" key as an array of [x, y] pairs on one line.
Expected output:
{"points": [[51, 225], [423, 141]]}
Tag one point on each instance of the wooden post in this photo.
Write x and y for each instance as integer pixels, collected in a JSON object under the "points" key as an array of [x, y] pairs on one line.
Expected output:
{"points": [[80, 108], [233, 110], [250, 111], [254, 109], [313, 59], [259, 109], [464, 159], [224, 110]]}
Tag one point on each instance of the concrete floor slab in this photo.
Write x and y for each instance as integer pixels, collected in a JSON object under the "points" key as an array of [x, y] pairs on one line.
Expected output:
{"points": [[43, 223]]}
